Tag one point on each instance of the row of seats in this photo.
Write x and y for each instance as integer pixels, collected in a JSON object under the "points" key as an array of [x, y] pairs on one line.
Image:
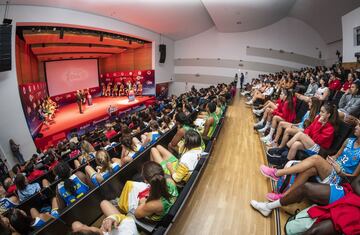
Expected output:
{"points": [[112, 187]]}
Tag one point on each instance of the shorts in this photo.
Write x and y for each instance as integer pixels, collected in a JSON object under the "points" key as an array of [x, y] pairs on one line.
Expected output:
{"points": [[336, 192], [333, 178], [54, 213], [173, 160], [38, 223], [94, 180], [314, 150]]}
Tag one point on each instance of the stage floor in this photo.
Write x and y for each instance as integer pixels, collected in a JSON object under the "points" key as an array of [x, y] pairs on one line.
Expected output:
{"points": [[68, 116]]}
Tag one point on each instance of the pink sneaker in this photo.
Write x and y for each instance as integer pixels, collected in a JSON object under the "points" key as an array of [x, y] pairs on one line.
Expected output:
{"points": [[274, 196], [269, 172]]}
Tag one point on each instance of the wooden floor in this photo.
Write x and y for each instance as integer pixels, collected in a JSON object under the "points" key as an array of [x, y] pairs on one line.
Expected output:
{"points": [[219, 203]]}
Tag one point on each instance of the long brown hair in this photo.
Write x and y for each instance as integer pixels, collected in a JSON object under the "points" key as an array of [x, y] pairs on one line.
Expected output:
{"points": [[334, 115], [290, 99], [154, 175], [314, 110]]}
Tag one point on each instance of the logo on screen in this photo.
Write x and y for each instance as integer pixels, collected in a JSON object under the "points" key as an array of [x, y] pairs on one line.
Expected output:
{"points": [[73, 76]]}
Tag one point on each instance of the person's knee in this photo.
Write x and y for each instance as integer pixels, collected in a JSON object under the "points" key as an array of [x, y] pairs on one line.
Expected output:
{"points": [[76, 226], [103, 204]]}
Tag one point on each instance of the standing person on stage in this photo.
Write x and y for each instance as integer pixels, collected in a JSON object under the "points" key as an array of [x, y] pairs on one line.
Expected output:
{"points": [[88, 97], [140, 89], [79, 100], [115, 90], [121, 90]]}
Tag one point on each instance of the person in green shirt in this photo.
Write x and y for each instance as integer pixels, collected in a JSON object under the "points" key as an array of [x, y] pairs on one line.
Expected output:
{"points": [[211, 121]]}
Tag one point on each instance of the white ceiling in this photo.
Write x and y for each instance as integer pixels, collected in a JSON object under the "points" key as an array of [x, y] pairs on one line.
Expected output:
{"points": [[180, 19]]}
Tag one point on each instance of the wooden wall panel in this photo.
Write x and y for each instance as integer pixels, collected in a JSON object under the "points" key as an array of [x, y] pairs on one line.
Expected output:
{"points": [[27, 65], [142, 57], [131, 59]]}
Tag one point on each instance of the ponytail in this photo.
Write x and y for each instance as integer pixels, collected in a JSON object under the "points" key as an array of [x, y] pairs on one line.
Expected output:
{"points": [[64, 172], [154, 175], [158, 188]]}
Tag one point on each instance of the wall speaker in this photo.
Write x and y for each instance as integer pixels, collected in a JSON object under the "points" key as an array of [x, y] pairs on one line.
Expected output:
{"points": [[162, 50], [5, 47]]}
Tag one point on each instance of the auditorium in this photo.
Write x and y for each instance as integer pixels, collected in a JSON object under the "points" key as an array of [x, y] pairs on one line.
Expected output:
{"points": [[179, 117]]}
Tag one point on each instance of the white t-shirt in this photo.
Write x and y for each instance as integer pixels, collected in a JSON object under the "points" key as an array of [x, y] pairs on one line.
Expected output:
{"points": [[126, 227]]}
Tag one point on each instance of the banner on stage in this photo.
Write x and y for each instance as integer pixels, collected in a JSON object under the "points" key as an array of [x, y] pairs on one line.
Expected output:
{"points": [[31, 95]]}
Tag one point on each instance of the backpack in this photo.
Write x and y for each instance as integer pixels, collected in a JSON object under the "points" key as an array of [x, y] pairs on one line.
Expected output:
{"points": [[285, 181], [299, 223]]}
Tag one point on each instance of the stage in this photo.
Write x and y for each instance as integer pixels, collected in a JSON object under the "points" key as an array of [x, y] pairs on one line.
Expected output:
{"points": [[68, 117]]}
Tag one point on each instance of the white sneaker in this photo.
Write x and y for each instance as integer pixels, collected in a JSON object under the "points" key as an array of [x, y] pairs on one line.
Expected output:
{"points": [[265, 138], [263, 129], [261, 207], [249, 102], [254, 111]]}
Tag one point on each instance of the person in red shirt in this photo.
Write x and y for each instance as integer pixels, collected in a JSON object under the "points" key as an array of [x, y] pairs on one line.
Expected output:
{"points": [[348, 83], [334, 83], [320, 133], [74, 150], [9, 186], [33, 174], [110, 132], [284, 112]]}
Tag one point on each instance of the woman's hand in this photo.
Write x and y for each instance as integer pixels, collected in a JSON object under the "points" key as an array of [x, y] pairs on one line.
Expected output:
{"points": [[334, 164], [108, 224]]}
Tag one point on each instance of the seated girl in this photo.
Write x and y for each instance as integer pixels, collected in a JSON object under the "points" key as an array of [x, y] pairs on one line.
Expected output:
{"points": [[322, 93], [266, 110], [148, 137], [321, 194], [26, 190], [329, 171], [114, 223], [88, 153], [291, 129], [319, 134], [104, 169], [25, 224], [32, 173], [211, 121], [74, 151], [128, 151], [151, 199], [166, 124], [284, 112], [177, 143], [72, 186], [7, 203], [180, 170]]}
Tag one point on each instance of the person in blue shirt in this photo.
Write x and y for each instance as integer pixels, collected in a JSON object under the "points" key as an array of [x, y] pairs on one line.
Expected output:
{"points": [[72, 186], [26, 190]]}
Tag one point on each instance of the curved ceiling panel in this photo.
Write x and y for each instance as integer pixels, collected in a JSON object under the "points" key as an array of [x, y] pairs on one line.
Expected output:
{"points": [[245, 15], [178, 19]]}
